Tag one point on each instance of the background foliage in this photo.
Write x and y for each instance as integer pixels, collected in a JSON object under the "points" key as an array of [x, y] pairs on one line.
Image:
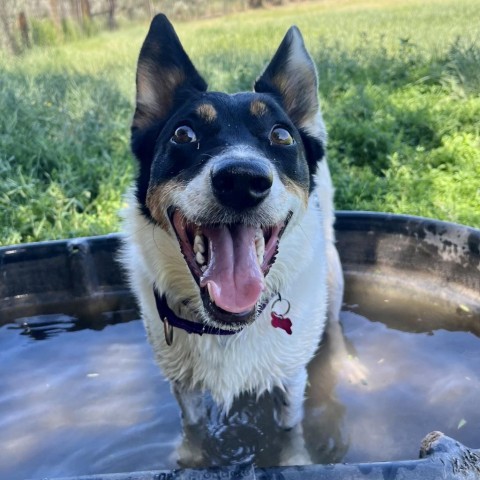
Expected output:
{"points": [[399, 85]]}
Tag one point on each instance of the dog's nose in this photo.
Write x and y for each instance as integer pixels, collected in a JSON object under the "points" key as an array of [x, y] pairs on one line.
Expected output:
{"points": [[241, 184]]}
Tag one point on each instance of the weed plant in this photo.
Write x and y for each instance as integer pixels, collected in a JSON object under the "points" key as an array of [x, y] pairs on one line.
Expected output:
{"points": [[399, 86]]}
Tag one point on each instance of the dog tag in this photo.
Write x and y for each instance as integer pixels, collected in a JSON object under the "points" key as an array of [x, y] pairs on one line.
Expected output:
{"points": [[279, 320]]}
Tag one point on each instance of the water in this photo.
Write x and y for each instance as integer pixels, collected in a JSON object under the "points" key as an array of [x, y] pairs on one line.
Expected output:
{"points": [[82, 395]]}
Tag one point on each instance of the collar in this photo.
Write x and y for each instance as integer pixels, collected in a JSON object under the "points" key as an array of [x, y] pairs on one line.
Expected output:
{"points": [[171, 320]]}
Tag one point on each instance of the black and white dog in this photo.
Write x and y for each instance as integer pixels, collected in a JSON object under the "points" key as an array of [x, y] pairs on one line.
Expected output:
{"points": [[229, 237]]}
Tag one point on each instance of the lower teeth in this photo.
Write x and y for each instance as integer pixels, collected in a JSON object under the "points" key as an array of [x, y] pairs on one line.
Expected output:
{"points": [[200, 259]]}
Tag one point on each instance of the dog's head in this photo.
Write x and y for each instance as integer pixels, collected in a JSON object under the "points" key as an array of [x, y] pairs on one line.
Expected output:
{"points": [[226, 175]]}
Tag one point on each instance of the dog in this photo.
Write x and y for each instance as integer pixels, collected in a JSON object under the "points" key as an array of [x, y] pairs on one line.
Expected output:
{"points": [[229, 240]]}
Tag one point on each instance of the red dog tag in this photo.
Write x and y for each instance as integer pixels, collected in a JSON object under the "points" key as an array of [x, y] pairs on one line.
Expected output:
{"points": [[279, 321]]}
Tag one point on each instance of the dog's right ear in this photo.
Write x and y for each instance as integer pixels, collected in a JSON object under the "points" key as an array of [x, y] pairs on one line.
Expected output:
{"points": [[163, 69]]}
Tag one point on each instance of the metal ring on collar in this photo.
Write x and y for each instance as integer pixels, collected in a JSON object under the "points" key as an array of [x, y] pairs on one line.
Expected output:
{"points": [[279, 300], [168, 331]]}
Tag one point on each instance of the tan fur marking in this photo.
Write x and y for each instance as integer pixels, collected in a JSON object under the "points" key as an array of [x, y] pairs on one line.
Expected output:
{"points": [[155, 89], [258, 108], [207, 112], [296, 190], [159, 198], [289, 87]]}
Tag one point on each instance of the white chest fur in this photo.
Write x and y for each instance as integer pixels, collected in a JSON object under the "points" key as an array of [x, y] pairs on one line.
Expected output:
{"points": [[258, 358]]}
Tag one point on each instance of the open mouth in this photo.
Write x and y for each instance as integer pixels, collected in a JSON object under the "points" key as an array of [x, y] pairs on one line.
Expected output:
{"points": [[229, 262]]}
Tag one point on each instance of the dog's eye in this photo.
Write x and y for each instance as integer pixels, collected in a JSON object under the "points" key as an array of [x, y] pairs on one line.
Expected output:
{"points": [[281, 136], [184, 134]]}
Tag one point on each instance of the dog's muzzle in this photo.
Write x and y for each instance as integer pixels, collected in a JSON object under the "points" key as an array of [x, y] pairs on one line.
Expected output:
{"points": [[230, 246]]}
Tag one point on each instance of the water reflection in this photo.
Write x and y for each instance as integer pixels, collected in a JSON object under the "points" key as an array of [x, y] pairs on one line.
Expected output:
{"points": [[42, 327], [92, 393]]}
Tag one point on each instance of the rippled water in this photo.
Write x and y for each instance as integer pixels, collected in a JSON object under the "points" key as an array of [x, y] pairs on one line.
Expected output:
{"points": [[82, 395]]}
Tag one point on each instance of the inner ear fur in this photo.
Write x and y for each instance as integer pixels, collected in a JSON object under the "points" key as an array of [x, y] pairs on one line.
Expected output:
{"points": [[291, 76], [163, 69]]}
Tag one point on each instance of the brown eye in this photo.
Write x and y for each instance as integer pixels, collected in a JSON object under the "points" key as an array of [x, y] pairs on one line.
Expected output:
{"points": [[281, 136], [184, 134]]}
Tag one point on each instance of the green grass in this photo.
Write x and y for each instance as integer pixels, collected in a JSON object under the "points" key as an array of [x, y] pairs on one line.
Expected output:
{"points": [[399, 85]]}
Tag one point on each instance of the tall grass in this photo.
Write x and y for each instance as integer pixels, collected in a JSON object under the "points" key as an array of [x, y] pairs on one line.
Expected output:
{"points": [[399, 85]]}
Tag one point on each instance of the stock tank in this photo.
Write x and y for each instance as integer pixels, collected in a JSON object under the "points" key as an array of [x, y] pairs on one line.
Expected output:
{"points": [[81, 396]]}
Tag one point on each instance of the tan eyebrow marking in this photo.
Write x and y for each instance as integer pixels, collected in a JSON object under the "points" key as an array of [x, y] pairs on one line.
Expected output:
{"points": [[207, 112], [258, 108]]}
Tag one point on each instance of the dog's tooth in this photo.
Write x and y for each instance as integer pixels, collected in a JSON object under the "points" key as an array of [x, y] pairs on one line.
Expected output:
{"points": [[260, 248], [198, 244], [209, 288], [260, 243], [203, 268], [200, 258]]}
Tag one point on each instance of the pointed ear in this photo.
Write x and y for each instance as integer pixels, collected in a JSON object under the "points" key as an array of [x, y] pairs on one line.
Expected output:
{"points": [[292, 77], [163, 68]]}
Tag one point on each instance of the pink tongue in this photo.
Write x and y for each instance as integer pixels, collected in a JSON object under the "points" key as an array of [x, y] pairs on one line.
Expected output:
{"points": [[233, 277]]}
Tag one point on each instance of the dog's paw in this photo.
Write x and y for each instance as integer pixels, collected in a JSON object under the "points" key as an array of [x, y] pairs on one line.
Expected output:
{"points": [[293, 450], [288, 401], [287, 417], [350, 369], [189, 453], [346, 367]]}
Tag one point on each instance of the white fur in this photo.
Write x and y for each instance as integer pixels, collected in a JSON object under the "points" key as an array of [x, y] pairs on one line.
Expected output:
{"points": [[306, 271], [260, 357]]}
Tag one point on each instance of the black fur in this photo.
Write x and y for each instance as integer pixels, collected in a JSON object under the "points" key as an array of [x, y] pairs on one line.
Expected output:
{"points": [[161, 160]]}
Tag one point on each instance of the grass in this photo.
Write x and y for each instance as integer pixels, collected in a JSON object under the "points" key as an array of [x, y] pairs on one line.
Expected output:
{"points": [[399, 85]]}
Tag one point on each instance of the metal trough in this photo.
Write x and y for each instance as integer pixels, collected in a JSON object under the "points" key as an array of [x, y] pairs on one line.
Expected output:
{"points": [[442, 258]]}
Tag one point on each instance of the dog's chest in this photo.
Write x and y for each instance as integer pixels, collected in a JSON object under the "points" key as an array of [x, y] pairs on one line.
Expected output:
{"points": [[257, 359]]}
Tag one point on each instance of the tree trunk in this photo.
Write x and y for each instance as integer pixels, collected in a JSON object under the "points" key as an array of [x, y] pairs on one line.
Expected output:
{"points": [[4, 19], [85, 8], [255, 3], [55, 13], [149, 8], [112, 21], [76, 11], [23, 26]]}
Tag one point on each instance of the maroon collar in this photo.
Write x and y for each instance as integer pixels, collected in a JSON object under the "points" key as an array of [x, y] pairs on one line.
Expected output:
{"points": [[166, 313], [170, 320]]}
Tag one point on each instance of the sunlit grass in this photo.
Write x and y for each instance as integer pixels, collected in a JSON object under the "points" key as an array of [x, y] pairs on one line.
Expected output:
{"points": [[399, 85]]}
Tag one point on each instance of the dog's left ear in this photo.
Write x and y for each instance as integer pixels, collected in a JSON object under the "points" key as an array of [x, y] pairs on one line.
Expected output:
{"points": [[291, 77]]}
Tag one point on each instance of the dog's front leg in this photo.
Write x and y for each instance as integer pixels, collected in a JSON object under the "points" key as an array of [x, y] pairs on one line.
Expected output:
{"points": [[192, 404], [289, 415], [289, 402], [190, 452]]}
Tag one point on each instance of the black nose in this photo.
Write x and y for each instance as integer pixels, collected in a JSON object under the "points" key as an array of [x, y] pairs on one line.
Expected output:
{"points": [[241, 184]]}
